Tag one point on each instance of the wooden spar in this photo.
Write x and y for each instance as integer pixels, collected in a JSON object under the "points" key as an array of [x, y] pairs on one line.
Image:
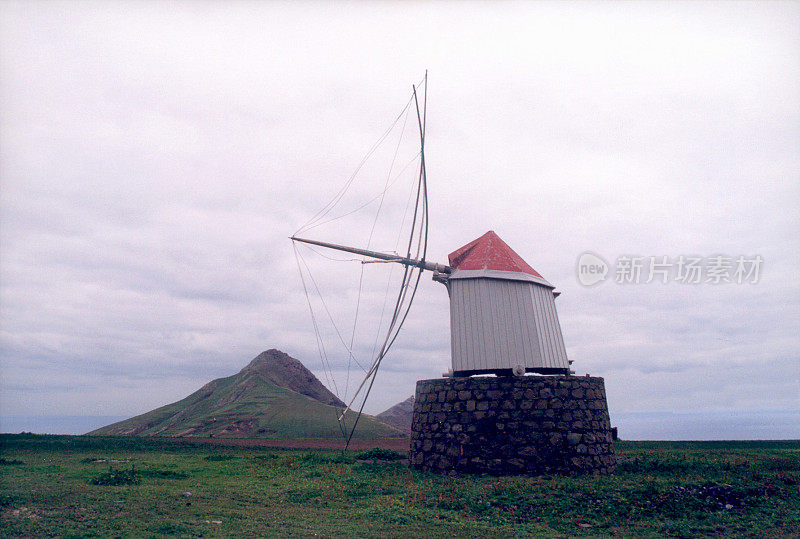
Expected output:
{"points": [[410, 282], [424, 264]]}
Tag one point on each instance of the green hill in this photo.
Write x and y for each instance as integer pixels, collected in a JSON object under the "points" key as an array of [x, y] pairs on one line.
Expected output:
{"points": [[400, 415], [274, 396]]}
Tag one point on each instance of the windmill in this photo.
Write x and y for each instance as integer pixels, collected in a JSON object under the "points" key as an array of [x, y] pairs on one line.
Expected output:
{"points": [[503, 317], [503, 321]]}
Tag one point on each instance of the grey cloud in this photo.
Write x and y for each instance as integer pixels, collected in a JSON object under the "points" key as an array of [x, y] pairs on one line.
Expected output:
{"points": [[155, 159]]}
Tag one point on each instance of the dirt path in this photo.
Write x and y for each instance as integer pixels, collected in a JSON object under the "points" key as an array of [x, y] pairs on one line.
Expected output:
{"points": [[397, 444]]}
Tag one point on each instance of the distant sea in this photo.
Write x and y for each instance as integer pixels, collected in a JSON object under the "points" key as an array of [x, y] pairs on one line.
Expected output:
{"points": [[716, 425], [728, 425], [52, 424]]}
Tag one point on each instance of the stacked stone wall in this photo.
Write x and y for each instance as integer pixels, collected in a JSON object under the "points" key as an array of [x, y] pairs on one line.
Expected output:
{"points": [[512, 425]]}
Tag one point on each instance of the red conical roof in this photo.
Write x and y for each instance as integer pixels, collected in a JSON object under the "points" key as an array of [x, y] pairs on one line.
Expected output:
{"points": [[489, 252]]}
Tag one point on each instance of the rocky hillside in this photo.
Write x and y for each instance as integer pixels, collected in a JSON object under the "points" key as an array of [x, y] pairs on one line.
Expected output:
{"points": [[399, 416], [282, 370], [274, 396]]}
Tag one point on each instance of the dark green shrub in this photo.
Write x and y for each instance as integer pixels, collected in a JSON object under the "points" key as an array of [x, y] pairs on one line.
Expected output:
{"points": [[218, 458], [378, 453], [118, 477]]}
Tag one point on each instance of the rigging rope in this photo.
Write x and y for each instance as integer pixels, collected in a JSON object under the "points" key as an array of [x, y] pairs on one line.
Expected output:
{"points": [[409, 282], [330, 316], [422, 187], [337, 198], [320, 343], [369, 244], [370, 201]]}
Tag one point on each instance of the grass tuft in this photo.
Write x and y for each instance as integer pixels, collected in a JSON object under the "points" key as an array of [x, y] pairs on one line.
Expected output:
{"points": [[219, 458], [378, 453], [116, 477]]}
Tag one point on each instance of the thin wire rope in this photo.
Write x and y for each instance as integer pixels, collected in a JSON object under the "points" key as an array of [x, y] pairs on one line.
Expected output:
{"points": [[378, 332], [403, 294], [389, 177], [335, 200], [383, 312], [399, 302], [326, 367], [388, 283], [408, 203], [320, 342], [339, 195], [330, 316], [369, 244], [369, 202], [374, 370], [422, 186], [398, 307]]}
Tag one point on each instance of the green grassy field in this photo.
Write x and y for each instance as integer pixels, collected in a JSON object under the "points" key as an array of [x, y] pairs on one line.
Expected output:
{"points": [[71, 486]]}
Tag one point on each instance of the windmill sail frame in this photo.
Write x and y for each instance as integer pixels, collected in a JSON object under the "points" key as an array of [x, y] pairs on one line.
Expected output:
{"points": [[414, 263]]}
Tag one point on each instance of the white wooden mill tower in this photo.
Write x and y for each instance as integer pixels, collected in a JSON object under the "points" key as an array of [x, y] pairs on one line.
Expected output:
{"points": [[502, 312]]}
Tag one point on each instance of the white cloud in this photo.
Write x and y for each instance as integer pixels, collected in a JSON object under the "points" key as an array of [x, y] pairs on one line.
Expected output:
{"points": [[155, 157]]}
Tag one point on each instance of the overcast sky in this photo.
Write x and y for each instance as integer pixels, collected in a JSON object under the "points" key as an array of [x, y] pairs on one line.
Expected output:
{"points": [[154, 158]]}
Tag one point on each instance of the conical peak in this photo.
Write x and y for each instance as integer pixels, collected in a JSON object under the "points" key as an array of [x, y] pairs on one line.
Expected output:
{"points": [[282, 370], [271, 358], [489, 252]]}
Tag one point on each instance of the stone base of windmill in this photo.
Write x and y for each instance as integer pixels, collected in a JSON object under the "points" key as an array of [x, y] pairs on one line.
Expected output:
{"points": [[512, 425]]}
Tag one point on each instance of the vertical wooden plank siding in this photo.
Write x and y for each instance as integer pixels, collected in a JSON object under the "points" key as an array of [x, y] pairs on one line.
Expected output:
{"points": [[457, 336], [551, 341], [499, 323]]}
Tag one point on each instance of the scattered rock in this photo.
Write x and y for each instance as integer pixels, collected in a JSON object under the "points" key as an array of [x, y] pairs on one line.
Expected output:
{"points": [[24, 512]]}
